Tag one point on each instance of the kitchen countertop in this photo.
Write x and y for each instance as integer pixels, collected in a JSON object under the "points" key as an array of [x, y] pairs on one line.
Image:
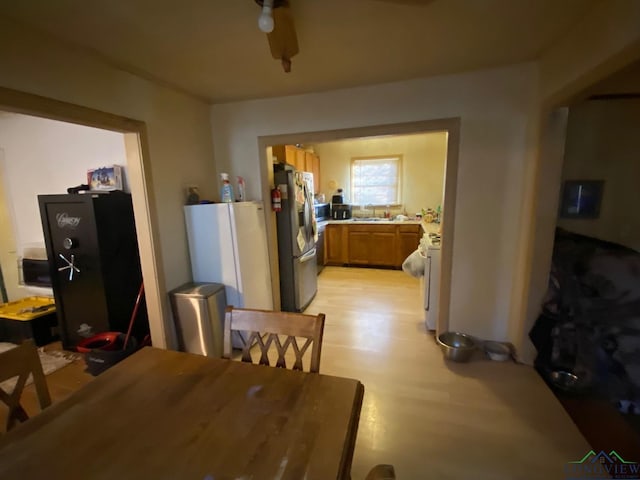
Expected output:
{"points": [[426, 227], [371, 222], [430, 227]]}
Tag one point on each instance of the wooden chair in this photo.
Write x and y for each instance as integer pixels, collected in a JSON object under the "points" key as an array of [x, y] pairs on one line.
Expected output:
{"points": [[263, 329], [20, 362]]}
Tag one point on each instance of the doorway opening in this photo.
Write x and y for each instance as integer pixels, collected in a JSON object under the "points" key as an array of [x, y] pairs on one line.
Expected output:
{"points": [[96, 289], [135, 149], [341, 148], [584, 325]]}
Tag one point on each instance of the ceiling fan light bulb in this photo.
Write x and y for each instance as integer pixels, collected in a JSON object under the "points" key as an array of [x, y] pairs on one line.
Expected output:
{"points": [[265, 22]]}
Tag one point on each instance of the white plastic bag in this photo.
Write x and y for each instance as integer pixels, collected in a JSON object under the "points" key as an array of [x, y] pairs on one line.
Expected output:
{"points": [[414, 265]]}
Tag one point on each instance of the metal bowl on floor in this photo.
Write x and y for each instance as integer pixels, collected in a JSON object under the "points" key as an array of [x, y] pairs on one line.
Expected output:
{"points": [[564, 380], [456, 346]]}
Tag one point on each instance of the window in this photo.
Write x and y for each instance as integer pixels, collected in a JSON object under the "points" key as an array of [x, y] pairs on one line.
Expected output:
{"points": [[375, 180]]}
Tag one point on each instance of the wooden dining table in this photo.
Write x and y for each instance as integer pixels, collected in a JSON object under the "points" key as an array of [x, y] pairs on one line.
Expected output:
{"points": [[169, 415]]}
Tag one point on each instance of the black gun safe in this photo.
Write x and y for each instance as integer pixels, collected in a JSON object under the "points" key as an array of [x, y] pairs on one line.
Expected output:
{"points": [[94, 263]]}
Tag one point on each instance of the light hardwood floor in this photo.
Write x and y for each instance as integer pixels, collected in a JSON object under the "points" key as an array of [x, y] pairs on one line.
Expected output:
{"points": [[429, 418]]}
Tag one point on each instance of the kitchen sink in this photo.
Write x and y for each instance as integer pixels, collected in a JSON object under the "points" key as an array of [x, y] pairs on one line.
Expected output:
{"points": [[370, 219]]}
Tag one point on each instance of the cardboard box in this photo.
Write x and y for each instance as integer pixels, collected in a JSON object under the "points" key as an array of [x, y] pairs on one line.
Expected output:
{"points": [[105, 178]]}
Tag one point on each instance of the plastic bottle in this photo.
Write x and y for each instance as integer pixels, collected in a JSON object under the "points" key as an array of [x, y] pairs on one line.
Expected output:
{"points": [[240, 191], [226, 190]]}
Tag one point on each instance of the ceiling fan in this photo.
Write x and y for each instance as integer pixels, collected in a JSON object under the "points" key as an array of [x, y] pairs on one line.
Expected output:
{"points": [[277, 22]]}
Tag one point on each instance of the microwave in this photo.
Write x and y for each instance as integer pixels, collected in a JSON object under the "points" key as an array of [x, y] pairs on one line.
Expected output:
{"points": [[323, 211]]}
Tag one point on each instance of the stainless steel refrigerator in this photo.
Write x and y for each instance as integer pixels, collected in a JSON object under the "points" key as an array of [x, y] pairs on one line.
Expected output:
{"points": [[296, 239]]}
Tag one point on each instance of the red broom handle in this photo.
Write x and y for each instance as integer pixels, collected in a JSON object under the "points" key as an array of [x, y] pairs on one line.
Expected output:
{"points": [[133, 315]]}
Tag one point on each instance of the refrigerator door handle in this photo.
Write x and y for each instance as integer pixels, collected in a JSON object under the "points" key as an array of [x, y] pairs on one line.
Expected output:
{"points": [[308, 256], [308, 214]]}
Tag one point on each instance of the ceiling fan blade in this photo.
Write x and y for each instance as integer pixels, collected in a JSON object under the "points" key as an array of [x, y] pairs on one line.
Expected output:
{"points": [[283, 40]]}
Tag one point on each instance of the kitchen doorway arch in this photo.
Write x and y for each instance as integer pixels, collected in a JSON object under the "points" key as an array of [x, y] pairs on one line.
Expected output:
{"points": [[449, 125]]}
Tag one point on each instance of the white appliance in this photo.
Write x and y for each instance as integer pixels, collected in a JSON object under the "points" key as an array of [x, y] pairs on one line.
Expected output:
{"points": [[228, 245], [431, 279]]}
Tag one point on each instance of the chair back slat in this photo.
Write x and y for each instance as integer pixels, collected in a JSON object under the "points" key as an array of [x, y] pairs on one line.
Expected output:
{"points": [[264, 348], [21, 362], [274, 322], [263, 330]]}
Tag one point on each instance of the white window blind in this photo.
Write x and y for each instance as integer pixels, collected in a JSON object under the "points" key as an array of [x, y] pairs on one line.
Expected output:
{"points": [[375, 181]]}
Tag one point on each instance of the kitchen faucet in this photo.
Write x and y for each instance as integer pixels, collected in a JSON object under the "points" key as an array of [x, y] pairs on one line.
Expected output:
{"points": [[372, 207]]}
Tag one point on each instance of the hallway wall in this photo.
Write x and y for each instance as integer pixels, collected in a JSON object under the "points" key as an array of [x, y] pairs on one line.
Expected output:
{"points": [[177, 144], [603, 144], [497, 109]]}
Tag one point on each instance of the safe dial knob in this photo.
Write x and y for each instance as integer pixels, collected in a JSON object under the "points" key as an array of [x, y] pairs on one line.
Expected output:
{"points": [[69, 243]]}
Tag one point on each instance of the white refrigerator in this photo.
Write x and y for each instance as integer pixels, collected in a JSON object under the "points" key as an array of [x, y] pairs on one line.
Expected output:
{"points": [[228, 245]]}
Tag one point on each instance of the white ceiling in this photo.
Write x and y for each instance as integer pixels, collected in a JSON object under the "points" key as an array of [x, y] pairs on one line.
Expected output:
{"points": [[213, 48]]}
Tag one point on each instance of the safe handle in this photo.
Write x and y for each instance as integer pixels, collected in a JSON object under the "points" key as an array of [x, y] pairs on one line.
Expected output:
{"points": [[70, 265]]}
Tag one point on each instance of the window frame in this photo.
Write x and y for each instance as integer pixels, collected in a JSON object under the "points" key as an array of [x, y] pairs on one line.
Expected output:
{"points": [[398, 159]]}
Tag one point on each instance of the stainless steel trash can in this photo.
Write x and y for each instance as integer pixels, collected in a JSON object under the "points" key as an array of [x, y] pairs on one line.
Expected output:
{"points": [[198, 310]]}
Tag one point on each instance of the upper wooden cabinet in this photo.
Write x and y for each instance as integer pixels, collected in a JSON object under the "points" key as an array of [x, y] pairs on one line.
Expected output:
{"points": [[301, 164], [315, 169], [286, 154], [301, 160], [307, 161]]}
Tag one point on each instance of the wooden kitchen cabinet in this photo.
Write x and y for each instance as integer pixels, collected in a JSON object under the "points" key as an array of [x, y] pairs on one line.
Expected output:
{"points": [[315, 169], [284, 153], [312, 164], [335, 244], [373, 245], [383, 250], [408, 240], [301, 160], [370, 244], [359, 246], [308, 162]]}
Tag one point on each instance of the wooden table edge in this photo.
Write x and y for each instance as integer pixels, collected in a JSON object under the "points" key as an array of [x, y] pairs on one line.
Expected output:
{"points": [[30, 427], [350, 445]]}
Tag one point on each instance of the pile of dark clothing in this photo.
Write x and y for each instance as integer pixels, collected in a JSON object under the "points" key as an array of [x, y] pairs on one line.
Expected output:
{"points": [[590, 324]]}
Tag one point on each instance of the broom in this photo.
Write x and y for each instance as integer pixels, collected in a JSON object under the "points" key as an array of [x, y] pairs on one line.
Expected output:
{"points": [[133, 315]]}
